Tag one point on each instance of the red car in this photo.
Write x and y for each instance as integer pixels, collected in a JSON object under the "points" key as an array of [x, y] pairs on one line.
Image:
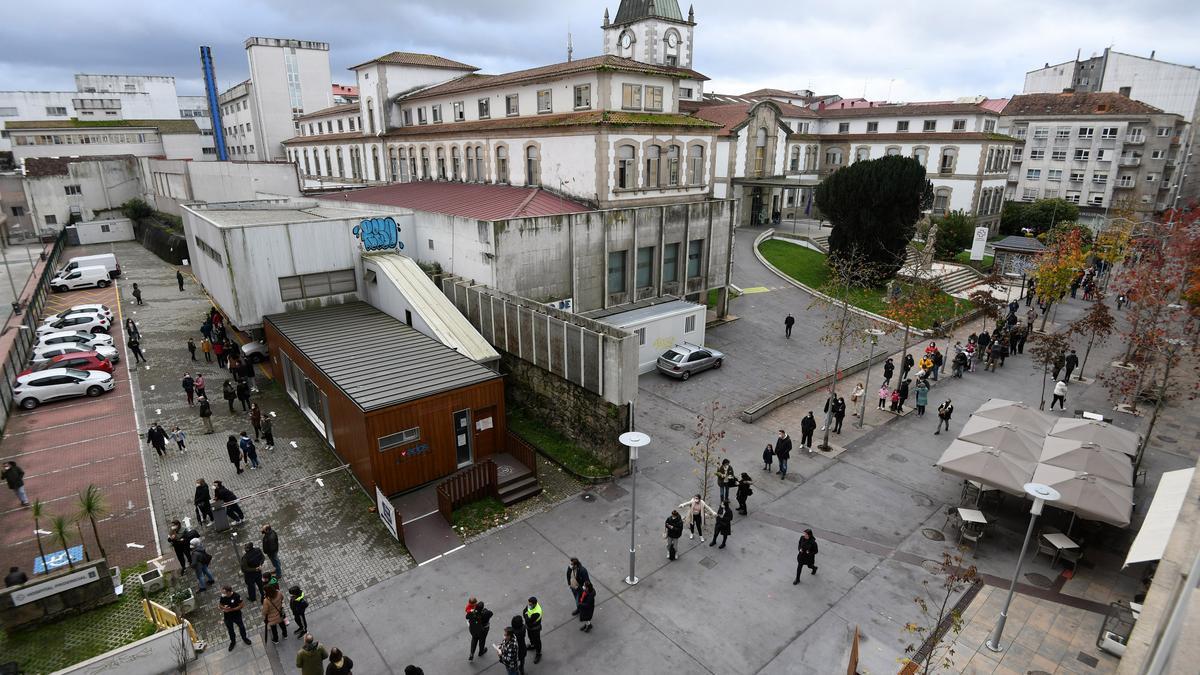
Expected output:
{"points": [[77, 360]]}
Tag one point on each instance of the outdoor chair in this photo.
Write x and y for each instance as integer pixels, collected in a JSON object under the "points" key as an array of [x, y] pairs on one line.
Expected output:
{"points": [[970, 491], [1072, 555], [951, 514], [971, 533], [1045, 547]]}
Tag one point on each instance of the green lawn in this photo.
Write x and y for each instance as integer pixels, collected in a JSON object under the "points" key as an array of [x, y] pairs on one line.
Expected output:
{"points": [[476, 517], [555, 445], [808, 267], [964, 258]]}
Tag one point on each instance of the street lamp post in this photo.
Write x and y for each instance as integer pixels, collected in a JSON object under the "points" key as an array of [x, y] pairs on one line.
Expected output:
{"points": [[1041, 494], [633, 440], [874, 334]]}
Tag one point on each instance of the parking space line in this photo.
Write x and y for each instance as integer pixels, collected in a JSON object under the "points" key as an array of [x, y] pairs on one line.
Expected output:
{"points": [[70, 405], [65, 445], [59, 426]]}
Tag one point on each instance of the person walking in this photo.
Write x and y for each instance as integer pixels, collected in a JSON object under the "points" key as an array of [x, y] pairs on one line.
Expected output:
{"points": [[243, 395], [233, 510], [251, 565], [1121, 300], [783, 450], [198, 384], [889, 368], [249, 374], [191, 347], [256, 420], [299, 605], [235, 453], [724, 525], [272, 611], [311, 657], [885, 395], [206, 349], [249, 451], [478, 623], [206, 414], [587, 606], [189, 387], [200, 562], [508, 652], [231, 605], [135, 346], [787, 326], [14, 477], [218, 349], [768, 456], [744, 490], [203, 502], [922, 397], [137, 294], [268, 432], [839, 414], [808, 427], [533, 626], [806, 555], [179, 279], [907, 366], [726, 478], [180, 543], [339, 663], [945, 411], [938, 361], [157, 438], [695, 517], [131, 329], [517, 628], [1072, 362], [229, 393], [577, 575], [180, 437], [270, 546], [672, 531], [1060, 395], [1060, 361]]}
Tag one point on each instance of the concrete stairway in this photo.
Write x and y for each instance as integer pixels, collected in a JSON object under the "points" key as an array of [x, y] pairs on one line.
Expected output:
{"points": [[822, 242], [518, 488], [960, 279]]}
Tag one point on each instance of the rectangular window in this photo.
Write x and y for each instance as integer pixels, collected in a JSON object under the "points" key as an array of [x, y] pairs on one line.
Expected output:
{"points": [[685, 92], [407, 117], [695, 253], [316, 285], [843, 127], [1029, 195], [1087, 132], [1062, 133], [544, 104], [512, 105], [641, 336], [73, 189], [56, 110], [421, 116], [51, 220], [1158, 154], [459, 109], [1108, 132], [1073, 197], [689, 324], [645, 267], [902, 126], [1161, 132], [631, 96], [485, 108], [1082, 154], [1037, 153], [1096, 198], [930, 125], [1058, 155], [616, 271], [1099, 178], [959, 125], [1103, 155], [1150, 178], [583, 96], [654, 98], [1054, 175], [18, 211], [340, 127], [1041, 132], [989, 126], [872, 127], [8, 112], [1076, 176], [670, 263], [1033, 174], [436, 113], [400, 438]]}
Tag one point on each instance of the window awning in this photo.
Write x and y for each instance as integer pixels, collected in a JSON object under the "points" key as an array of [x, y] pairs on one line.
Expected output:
{"points": [[1151, 540]]}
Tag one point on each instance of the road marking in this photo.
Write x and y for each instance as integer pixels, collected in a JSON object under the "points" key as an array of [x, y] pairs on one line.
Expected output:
{"points": [[133, 545], [187, 522], [321, 482], [272, 413], [413, 520], [158, 411], [755, 289], [294, 444], [147, 366], [151, 387], [43, 532], [175, 475], [59, 426], [130, 506]]}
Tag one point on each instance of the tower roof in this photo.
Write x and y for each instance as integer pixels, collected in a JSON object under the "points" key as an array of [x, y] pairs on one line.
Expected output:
{"points": [[635, 10]]}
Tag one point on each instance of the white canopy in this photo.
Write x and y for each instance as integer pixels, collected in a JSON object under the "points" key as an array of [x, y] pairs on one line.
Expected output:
{"points": [[1151, 540]]}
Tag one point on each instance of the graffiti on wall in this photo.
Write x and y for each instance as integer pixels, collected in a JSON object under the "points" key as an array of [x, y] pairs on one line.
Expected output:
{"points": [[378, 234]]}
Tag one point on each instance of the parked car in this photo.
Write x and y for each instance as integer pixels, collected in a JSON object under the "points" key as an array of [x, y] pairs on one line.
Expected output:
{"points": [[80, 277], [256, 352], [34, 389], [106, 260], [685, 358], [92, 323], [77, 360], [102, 310], [73, 337], [45, 353]]}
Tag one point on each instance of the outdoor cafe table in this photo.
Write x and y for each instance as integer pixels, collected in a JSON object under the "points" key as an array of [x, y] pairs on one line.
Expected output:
{"points": [[972, 516], [1060, 542]]}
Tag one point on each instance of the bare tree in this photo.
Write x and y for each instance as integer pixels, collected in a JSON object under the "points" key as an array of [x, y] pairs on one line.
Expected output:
{"points": [[707, 450], [1047, 348], [853, 274], [941, 620], [1096, 324]]}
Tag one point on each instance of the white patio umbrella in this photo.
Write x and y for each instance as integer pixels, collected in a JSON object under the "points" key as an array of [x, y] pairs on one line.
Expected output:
{"points": [[1096, 460], [1088, 496], [987, 465], [1006, 436], [1018, 414], [1100, 433]]}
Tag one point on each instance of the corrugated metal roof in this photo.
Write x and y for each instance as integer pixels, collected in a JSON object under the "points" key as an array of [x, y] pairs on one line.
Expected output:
{"points": [[469, 200], [374, 359], [623, 316], [1018, 243], [443, 318]]}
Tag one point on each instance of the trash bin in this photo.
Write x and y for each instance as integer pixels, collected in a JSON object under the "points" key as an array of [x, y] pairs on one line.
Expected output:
{"points": [[220, 521]]}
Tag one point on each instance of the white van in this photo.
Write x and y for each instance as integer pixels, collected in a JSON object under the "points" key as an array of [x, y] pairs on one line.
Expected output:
{"points": [[106, 260], [80, 277]]}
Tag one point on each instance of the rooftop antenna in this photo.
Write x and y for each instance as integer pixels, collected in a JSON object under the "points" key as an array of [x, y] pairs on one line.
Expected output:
{"points": [[890, 83], [569, 49]]}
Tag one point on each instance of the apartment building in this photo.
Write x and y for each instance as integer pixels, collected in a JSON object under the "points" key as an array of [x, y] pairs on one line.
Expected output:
{"points": [[1096, 149]]}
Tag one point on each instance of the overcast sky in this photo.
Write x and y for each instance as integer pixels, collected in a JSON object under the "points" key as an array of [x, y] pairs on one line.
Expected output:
{"points": [[899, 50]]}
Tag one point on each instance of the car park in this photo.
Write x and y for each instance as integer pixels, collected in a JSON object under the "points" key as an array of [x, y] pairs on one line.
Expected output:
{"points": [[44, 353], [686, 359], [102, 310], [106, 260], [80, 277], [77, 360], [53, 384], [73, 337], [92, 323]]}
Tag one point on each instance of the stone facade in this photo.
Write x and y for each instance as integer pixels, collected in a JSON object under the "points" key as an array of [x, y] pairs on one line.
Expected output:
{"points": [[91, 595]]}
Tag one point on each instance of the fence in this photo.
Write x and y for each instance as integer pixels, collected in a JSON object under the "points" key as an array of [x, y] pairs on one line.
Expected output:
{"points": [[21, 331], [522, 451], [471, 484]]}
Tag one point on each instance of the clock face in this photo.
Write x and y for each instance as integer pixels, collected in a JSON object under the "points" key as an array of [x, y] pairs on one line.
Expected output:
{"points": [[626, 40], [672, 40]]}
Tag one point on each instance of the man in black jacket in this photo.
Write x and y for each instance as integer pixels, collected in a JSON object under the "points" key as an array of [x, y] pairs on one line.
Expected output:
{"points": [[889, 369], [808, 425], [231, 605], [252, 562], [1072, 362], [478, 623], [783, 450], [807, 555], [533, 620], [577, 576], [270, 546], [14, 477], [674, 530]]}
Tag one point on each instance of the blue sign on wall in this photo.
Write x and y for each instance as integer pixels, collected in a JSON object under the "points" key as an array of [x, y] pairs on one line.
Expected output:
{"points": [[378, 234]]}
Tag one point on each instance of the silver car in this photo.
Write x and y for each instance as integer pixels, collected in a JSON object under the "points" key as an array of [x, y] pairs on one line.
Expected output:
{"points": [[685, 358]]}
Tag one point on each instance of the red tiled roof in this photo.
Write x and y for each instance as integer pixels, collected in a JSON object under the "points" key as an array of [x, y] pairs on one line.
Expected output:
{"points": [[605, 62], [345, 89], [1077, 103], [857, 109], [771, 92], [332, 110], [417, 59], [731, 115], [468, 200]]}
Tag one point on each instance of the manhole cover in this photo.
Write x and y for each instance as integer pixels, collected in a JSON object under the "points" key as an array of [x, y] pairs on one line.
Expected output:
{"points": [[858, 572], [588, 497], [708, 562], [921, 500], [1039, 580], [933, 535], [504, 471], [1167, 439], [898, 458], [677, 427], [931, 566], [841, 486], [1087, 659]]}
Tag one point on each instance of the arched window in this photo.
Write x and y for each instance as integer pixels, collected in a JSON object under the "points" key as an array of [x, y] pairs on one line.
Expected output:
{"points": [[760, 152], [673, 166], [696, 165], [470, 167], [424, 163], [863, 153], [625, 44], [375, 175], [533, 169], [455, 163], [404, 175], [892, 151], [502, 164], [371, 115], [412, 163], [949, 160], [394, 165], [480, 174], [811, 156], [833, 158], [653, 154], [341, 165], [941, 201], [991, 161], [441, 163], [328, 164], [626, 167], [921, 154], [671, 47], [307, 171], [794, 161]]}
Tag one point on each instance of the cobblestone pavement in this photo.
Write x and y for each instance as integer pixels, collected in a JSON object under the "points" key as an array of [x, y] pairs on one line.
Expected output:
{"points": [[330, 545]]}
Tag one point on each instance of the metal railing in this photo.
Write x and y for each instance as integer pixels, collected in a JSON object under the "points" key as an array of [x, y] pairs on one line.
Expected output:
{"points": [[522, 451]]}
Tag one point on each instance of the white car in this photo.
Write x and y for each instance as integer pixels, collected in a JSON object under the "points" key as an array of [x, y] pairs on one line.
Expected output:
{"points": [[256, 352], [102, 310], [92, 323], [47, 352], [54, 383], [70, 337]]}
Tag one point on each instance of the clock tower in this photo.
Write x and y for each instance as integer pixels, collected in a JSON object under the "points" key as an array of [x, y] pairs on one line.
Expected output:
{"points": [[650, 31]]}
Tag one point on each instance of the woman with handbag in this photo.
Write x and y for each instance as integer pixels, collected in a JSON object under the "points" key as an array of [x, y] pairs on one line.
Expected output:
{"points": [[726, 478], [743, 492], [724, 524], [587, 605], [273, 615]]}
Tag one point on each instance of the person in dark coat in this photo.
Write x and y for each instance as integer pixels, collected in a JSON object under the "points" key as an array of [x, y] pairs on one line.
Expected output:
{"points": [[339, 663], [478, 623], [743, 493], [251, 564], [806, 555], [137, 294], [673, 529], [157, 437], [945, 411], [768, 456], [189, 386], [15, 577], [299, 605], [179, 279], [249, 450], [180, 540], [1072, 362], [518, 631], [14, 477], [808, 426], [787, 326], [903, 395], [839, 413], [270, 546], [724, 525], [907, 366], [243, 395], [577, 576], [783, 450], [231, 605], [234, 511], [889, 368], [131, 329], [230, 394], [234, 452], [587, 605], [256, 420], [205, 414], [533, 625], [268, 432], [203, 502]]}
